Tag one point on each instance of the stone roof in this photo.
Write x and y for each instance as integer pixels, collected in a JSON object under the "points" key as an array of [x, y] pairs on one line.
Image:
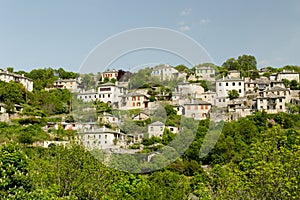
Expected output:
{"points": [[133, 94], [277, 88], [197, 102], [157, 123], [226, 79], [271, 96], [204, 67]]}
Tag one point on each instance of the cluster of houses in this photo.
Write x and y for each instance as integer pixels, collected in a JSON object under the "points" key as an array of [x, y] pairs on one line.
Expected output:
{"points": [[188, 98]]}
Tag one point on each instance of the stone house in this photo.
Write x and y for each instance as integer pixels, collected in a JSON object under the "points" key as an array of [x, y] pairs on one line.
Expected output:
{"points": [[8, 76], [156, 129], [134, 100], [205, 73], [197, 109]]}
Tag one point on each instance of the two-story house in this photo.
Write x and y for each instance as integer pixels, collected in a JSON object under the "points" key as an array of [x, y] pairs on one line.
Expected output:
{"points": [[70, 84], [134, 100], [197, 109], [156, 129], [8, 76], [224, 85], [167, 72], [205, 73], [111, 93], [109, 74]]}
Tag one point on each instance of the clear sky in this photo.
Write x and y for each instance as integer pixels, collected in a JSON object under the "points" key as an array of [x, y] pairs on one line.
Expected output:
{"points": [[61, 33]]}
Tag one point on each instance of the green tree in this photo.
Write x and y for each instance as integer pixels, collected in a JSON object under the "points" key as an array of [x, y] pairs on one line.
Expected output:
{"points": [[233, 94], [15, 181]]}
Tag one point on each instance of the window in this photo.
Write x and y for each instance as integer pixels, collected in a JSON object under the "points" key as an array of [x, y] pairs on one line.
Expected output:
{"points": [[220, 84], [280, 107], [280, 100], [104, 89], [161, 128], [201, 107], [195, 107], [206, 107], [99, 136], [188, 107], [151, 128], [133, 104], [233, 84], [133, 98], [219, 100], [105, 136], [240, 83], [139, 98], [108, 95], [226, 84], [240, 91], [223, 100]]}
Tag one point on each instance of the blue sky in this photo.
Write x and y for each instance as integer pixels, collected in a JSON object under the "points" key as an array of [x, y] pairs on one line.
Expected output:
{"points": [[38, 34]]}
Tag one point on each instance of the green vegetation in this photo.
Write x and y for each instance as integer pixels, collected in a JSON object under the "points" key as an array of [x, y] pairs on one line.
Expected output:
{"points": [[255, 158]]}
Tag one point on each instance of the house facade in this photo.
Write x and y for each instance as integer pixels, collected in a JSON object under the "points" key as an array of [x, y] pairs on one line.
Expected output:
{"points": [[88, 96], [109, 74], [224, 85], [289, 75], [205, 73], [156, 129], [111, 93], [197, 109], [134, 100], [8, 76], [102, 138], [70, 84], [167, 72]]}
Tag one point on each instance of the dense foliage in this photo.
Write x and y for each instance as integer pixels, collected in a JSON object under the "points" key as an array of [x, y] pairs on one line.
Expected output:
{"points": [[255, 158]]}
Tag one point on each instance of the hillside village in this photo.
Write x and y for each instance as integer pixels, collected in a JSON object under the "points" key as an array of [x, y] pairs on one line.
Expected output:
{"points": [[121, 106]]}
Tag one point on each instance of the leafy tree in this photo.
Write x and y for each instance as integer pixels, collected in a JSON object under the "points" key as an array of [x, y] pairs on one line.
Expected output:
{"points": [[62, 74], [233, 94], [15, 181], [182, 68]]}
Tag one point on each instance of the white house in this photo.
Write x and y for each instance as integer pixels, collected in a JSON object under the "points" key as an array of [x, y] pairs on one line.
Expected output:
{"points": [[271, 103], [7, 77], [108, 118], [102, 138], [141, 116], [109, 74], [134, 100], [197, 109], [88, 96], [111, 93], [70, 84], [193, 90], [205, 73], [289, 75], [224, 85], [156, 129], [236, 109], [209, 97], [167, 72]]}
